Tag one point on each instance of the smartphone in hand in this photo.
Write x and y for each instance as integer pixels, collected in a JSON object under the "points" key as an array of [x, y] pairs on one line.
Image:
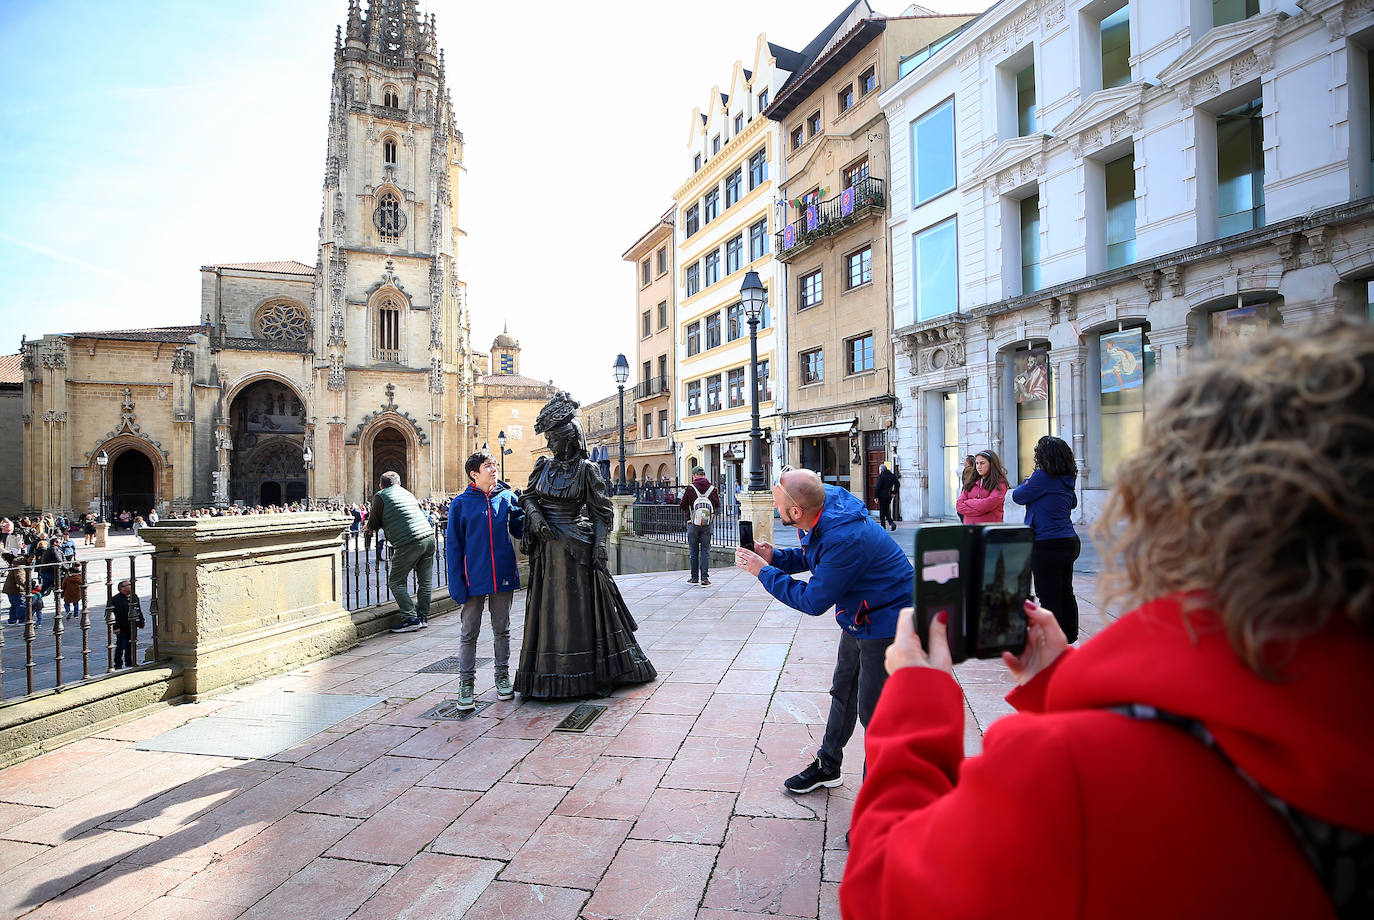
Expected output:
{"points": [[746, 535]]}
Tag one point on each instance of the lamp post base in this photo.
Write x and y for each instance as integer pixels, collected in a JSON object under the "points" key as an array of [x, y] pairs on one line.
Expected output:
{"points": [[102, 533]]}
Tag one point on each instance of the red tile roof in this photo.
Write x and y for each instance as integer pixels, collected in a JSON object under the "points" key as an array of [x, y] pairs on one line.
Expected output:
{"points": [[11, 369], [287, 267]]}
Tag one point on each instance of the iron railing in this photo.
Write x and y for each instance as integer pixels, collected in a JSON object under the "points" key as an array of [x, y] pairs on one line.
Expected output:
{"points": [[830, 216], [657, 513], [367, 567], [651, 387], [46, 651]]}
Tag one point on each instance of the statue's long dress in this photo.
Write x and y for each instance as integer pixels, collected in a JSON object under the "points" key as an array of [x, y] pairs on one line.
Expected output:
{"points": [[579, 634]]}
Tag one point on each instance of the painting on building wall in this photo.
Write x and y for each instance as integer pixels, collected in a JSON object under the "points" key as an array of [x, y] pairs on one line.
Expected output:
{"points": [[1031, 371], [1236, 329], [1122, 360]]}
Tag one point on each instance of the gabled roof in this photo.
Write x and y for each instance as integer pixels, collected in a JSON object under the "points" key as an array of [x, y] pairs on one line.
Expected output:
{"points": [[11, 369], [800, 86], [287, 267]]}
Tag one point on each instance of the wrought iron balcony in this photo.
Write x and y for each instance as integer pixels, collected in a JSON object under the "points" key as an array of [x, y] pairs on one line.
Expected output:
{"points": [[829, 217], [651, 387]]}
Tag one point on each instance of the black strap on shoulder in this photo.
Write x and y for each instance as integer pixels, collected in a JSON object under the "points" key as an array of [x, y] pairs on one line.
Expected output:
{"points": [[1342, 858]]}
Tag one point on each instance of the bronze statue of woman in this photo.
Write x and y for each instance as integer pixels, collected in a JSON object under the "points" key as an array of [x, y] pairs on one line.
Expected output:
{"points": [[579, 635]]}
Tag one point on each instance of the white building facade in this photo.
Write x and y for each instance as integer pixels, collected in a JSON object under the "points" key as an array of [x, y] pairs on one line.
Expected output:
{"points": [[1088, 195]]}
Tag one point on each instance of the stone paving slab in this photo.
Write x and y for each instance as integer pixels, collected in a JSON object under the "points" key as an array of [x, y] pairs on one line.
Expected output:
{"points": [[670, 806]]}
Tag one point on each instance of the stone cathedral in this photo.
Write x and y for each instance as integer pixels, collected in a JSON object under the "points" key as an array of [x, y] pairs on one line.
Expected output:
{"points": [[298, 382]]}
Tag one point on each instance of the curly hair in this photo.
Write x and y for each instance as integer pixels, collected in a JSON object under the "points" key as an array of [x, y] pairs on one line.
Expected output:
{"points": [[1255, 493], [1055, 456]]}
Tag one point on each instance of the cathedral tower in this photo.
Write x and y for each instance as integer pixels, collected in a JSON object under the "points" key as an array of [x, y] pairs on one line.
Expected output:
{"points": [[392, 347]]}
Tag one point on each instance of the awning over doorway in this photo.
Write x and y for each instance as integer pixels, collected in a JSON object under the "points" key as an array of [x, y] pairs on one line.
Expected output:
{"points": [[822, 428]]}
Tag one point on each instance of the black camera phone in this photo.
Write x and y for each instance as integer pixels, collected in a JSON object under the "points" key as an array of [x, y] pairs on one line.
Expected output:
{"points": [[746, 535], [979, 577]]}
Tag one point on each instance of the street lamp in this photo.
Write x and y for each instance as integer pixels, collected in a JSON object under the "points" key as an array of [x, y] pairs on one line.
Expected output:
{"points": [[102, 460], [501, 445], [307, 455], [753, 295], [622, 373]]}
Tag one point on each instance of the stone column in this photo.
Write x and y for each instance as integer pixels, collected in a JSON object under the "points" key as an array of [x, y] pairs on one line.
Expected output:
{"points": [[757, 508], [102, 533], [623, 522], [246, 597]]}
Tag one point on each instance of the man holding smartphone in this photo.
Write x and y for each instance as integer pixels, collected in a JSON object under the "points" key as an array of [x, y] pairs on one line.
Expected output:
{"points": [[856, 569]]}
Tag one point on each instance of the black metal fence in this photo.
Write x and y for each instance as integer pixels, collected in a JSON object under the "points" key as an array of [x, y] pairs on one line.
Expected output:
{"points": [[46, 648], [367, 568], [657, 513]]}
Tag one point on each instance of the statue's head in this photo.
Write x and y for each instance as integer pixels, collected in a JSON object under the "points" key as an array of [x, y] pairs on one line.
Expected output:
{"points": [[558, 423]]}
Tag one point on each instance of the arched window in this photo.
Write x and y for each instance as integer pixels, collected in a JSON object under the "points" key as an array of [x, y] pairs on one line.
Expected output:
{"points": [[391, 98], [388, 218], [389, 151], [386, 341]]}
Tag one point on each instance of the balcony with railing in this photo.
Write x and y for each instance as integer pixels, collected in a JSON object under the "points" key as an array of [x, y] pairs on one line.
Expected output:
{"points": [[834, 215], [654, 386]]}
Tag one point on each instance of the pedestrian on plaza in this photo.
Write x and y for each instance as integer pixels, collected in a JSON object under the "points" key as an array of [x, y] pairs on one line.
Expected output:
{"points": [[67, 548], [138, 526], [1049, 496], [88, 529], [983, 500], [1220, 730], [396, 512], [50, 563], [882, 491], [482, 570], [357, 515], [125, 520], [73, 587], [16, 585], [858, 570], [128, 620], [152, 517], [701, 502]]}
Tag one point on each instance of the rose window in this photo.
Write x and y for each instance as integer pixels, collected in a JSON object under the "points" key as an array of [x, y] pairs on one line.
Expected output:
{"points": [[283, 322]]}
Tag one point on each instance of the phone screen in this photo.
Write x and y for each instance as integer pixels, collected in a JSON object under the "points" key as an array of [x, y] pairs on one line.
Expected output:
{"points": [[746, 535], [1005, 587]]}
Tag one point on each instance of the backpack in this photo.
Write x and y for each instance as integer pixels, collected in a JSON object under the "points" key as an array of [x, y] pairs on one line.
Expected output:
{"points": [[702, 509]]}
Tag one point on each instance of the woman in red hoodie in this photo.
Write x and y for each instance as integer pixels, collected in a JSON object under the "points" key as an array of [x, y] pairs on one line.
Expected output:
{"points": [[1211, 753], [982, 500]]}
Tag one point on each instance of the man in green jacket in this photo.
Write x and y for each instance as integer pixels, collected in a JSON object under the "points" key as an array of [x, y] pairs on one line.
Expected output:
{"points": [[396, 511]]}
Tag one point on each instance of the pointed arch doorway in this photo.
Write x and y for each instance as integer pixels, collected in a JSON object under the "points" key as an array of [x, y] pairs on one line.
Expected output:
{"points": [[389, 454]]}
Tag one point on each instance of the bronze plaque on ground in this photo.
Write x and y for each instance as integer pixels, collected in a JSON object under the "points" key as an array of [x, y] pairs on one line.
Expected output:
{"points": [[580, 719], [448, 711]]}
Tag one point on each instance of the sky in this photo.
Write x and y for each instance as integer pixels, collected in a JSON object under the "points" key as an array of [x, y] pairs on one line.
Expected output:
{"points": [[142, 140]]}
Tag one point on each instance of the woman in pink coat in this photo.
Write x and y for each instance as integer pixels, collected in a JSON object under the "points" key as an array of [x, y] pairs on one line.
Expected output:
{"points": [[980, 502]]}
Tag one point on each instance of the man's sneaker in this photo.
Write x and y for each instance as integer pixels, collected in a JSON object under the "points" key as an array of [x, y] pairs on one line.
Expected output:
{"points": [[466, 697], [409, 624], [812, 778], [504, 690], [692, 580], [705, 582]]}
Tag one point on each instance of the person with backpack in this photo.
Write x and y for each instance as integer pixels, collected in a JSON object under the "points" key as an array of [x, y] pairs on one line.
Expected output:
{"points": [[701, 502]]}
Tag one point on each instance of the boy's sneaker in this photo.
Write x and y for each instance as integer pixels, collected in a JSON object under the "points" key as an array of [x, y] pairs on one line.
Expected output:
{"points": [[812, 778], [692, 580], [705, 582], [466, 696], [409, 624], [424, 622], [504, 690]]}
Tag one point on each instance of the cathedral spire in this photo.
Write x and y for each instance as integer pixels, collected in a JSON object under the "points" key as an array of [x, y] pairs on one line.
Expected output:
{"points": [[355, 21]]}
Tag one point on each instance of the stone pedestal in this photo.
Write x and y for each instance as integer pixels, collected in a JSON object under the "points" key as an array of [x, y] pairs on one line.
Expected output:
{"points": [[245, 597], [758, 508], [624, 522], [102, 533]]}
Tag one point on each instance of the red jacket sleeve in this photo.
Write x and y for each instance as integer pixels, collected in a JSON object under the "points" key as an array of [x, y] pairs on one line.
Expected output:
{"points": [[935, 835], [1030, 697], [967, 503]]}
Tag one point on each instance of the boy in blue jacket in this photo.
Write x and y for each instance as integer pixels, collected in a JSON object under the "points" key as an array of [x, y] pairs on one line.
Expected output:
{"points": [[856, 569], [481, 569]]}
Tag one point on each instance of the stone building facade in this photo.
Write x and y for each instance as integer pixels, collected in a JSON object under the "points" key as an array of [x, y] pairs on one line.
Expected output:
{"points": [[299, 381], [507, 402], [841, 407], [654, 257], [1090, 196]]}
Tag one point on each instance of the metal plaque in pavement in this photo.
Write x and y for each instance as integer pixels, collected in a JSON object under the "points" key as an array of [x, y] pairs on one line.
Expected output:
{"points": [[580, 719], [450, 666], [448, 711]]}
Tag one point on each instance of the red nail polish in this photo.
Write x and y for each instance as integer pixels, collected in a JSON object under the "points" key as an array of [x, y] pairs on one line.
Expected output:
{"points": [[1030, 604], [942, 617]]}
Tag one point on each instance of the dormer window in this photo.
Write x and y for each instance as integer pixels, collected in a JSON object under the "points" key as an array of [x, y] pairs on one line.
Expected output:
{"points": [[389, 151]]}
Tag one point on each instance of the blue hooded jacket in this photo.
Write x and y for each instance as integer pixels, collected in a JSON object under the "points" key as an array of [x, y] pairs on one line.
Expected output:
{"points": [[1048, 500], [855, 568], [479, 553]]}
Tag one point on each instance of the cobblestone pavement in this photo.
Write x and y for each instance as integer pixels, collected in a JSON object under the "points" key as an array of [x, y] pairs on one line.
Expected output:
{"points": [[670, 806]]}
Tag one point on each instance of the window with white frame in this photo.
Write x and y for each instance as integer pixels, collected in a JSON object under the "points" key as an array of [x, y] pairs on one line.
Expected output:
{"points": [[932, 153], [693, 278], [732, 187], [935, 270], [644, 276], [734, 321], [693, 339], [734, 390], [846, 97], [810, 291], [713, 330], [859, 354], [858, 267], [758, 168], [713, 393], [734, 254], [758, 239], [712, 267], [812, 366], [694, 398], [710, 205], [765, 386]]}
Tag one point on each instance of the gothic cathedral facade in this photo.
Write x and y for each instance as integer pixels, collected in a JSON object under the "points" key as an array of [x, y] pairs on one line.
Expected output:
{"points": [[299, 382]]}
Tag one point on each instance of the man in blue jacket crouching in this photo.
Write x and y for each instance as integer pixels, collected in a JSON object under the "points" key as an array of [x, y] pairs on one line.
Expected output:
{"points": [[481, 569], [858, 570]]}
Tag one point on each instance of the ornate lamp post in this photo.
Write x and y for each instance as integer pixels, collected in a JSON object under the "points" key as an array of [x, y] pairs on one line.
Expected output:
{"points": [[501, 446], [622, 373], [753, 295], [307, 455], [102, 460]]}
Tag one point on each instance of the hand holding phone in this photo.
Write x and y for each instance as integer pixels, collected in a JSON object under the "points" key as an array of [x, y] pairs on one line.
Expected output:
{"points": [[746, 535]]}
